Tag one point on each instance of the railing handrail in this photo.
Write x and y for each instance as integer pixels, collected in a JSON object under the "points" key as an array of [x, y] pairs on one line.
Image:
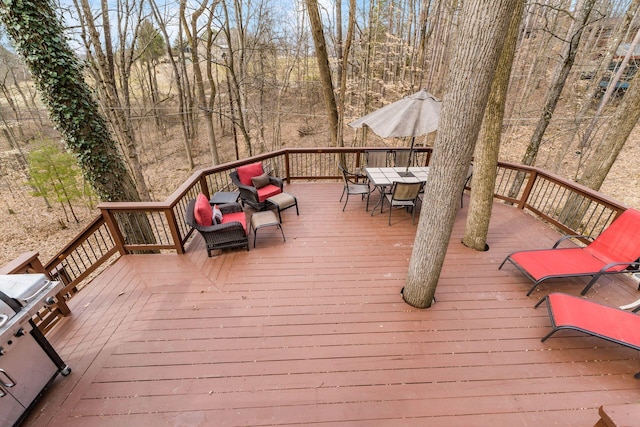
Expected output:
{"points": [[578, 188]]}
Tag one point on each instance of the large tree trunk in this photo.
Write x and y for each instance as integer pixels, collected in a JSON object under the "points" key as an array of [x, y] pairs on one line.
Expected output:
{"points": [[325, 71], [484, 24], [488, 147]]}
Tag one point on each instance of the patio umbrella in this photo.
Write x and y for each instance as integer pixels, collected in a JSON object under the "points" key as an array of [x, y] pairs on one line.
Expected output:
{"points": [[411, 116]]}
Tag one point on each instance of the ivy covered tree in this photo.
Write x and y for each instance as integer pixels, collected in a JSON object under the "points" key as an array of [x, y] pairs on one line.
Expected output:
{"points": [[38, 35]]}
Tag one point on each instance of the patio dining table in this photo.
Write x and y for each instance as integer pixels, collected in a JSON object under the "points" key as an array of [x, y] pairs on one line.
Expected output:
{"points": [[385, 177]]}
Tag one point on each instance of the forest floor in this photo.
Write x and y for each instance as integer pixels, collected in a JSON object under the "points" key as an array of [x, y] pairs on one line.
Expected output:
{"points": [[27, 224]]}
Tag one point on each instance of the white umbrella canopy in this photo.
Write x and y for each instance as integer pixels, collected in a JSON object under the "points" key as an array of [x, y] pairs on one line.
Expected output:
{"points": [[413, 115]]}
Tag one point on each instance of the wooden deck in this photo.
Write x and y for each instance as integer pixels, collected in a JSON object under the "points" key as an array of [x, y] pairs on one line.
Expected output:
{"points": [[314, 331]]}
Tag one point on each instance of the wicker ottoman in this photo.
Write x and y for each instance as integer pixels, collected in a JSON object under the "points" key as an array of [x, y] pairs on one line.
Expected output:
{"points": [[264, 219], [284, 201]]}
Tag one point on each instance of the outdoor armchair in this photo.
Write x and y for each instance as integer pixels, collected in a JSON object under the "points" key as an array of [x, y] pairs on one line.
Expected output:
{"points": [[615, 250], [230, 233], [256, 185]]}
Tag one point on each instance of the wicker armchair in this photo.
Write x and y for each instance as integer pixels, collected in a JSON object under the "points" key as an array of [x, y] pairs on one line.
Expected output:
{"points": [[257, 198], [230, 234]]}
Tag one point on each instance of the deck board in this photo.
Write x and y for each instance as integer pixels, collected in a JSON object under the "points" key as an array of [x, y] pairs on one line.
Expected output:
{"points": [[314, 331]]}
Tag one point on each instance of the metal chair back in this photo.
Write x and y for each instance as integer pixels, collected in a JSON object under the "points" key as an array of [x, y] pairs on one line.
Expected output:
{"points": [[377, 159], [403, 158], [405, 191], [405, 194]]}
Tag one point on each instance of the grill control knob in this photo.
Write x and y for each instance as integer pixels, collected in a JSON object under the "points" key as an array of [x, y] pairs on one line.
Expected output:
{"points": [[19, 332], [50, 301]]}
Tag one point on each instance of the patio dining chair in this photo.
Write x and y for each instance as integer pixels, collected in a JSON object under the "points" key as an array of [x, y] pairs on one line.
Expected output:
{"points": [[353, 186], [376, 159], [403, 158], [405, 195]]}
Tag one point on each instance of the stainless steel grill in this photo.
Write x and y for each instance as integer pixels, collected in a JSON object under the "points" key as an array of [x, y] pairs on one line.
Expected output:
{"points": [[28, 362]]}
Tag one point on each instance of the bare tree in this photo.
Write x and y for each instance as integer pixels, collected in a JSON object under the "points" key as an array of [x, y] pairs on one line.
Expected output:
{"points": [[180, 86], [560, 77], [594, 89], [619, 128], [235, 61], [484, 24], [488, 146], [150, 48], [343, 57], [114, 87], [192, 31], [325, 71]]}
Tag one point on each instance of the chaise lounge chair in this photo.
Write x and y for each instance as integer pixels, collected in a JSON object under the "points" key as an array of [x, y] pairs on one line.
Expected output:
{"points": [[615, 250], [602, 321]]}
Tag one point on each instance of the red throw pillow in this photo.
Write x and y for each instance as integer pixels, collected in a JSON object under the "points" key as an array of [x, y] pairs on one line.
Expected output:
{"points": [[246, 172], [202, 211]]}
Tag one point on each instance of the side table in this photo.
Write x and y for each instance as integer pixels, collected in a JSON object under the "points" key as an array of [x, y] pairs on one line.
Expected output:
{"points": [[264, 219], [223, 197]]}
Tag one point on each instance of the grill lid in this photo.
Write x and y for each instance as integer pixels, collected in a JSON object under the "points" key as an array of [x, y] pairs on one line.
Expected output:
{"points": [[23, 288]]}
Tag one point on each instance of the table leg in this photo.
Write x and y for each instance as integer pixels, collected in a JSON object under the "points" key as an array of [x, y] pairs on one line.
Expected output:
{"points": [[381, 190]]}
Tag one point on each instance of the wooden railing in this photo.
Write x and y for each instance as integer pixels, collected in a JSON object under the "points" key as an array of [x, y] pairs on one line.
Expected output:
{"points": [[148, 227], [570, 207]]}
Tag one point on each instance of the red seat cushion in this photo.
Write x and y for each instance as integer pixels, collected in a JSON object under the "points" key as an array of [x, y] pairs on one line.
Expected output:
{"points": [[557, 262], [246, 172], [235, 216], [267, 191], [202, 211]]}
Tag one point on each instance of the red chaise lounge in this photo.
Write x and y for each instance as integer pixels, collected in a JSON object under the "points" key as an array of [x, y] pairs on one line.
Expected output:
{"points": [[615, 250], [609, 323]]}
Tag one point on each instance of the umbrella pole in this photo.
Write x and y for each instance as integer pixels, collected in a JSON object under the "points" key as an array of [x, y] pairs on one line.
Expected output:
{"points": [[413, 138]]}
